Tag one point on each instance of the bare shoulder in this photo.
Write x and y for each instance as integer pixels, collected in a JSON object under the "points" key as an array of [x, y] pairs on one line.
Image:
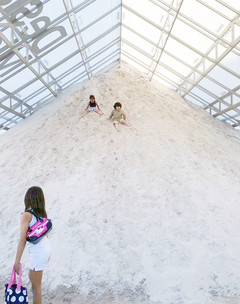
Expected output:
{"points": [[26, 217]]}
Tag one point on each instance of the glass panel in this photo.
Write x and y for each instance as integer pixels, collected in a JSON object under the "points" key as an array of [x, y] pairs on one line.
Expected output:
{"points": [[167, 73], [138, 41], [203, 95], [39, 97], [136, 54], [142, 26], [198, 101], [231, 61], [150, 11], [134, 62], [52, 9], [221, 75], [104, 55], [165, 81], [113, 41], [10, 63], [18, 80], [102, 65], [104, 24], [191, 37], [68, 64], [72, 80], [2, 94], [212, 87], [175, 65], [61, 52], [36, 85], [221, 8], [205, 16], [185, 53], [95, 10], [74, 74]]}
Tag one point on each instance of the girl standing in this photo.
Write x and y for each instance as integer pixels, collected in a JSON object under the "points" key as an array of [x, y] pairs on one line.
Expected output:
{"points": [[40, 252]]}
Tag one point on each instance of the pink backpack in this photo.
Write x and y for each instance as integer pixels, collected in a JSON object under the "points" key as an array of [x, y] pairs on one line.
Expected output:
{"points": [[41, 228]]}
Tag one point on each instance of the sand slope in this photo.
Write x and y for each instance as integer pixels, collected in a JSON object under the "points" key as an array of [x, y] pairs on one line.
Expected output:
{"points": [[149, 214]]}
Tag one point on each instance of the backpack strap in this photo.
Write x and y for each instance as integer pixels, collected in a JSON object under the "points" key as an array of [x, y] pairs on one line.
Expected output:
{"points": [[38, 217]]}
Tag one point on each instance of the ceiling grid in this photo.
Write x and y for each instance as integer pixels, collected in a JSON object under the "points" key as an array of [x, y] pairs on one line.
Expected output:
{"points": [[191, 46]]}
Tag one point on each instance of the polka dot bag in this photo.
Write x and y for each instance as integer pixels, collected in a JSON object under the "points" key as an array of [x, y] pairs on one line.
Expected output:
{"points": [[14, 292]]}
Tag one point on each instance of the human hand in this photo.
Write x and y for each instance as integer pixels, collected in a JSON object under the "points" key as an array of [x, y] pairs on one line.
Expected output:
{"points": [[16, 266]]}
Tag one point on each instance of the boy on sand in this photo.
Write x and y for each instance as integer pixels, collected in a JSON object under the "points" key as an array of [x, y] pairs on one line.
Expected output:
{"points": [[118, 116]]}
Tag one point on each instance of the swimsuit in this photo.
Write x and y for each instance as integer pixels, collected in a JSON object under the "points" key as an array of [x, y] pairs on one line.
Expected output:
{"points": [[92, 106]]}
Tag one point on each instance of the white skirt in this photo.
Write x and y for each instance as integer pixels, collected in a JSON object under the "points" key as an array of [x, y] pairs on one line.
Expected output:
{"points": [[39, 254], [90, 109]]}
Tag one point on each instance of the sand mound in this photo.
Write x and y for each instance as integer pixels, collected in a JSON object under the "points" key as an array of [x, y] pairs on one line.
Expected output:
{"points": [[149, 214]]}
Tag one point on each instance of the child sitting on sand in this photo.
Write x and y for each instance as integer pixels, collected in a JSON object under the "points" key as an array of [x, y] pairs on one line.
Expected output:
{"points": [[118, 116], [92, 106]]}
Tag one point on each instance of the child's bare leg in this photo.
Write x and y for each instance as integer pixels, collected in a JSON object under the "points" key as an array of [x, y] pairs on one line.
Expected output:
{"points": [[125, 123], [85, 114], [116, 125], [97, 111]]}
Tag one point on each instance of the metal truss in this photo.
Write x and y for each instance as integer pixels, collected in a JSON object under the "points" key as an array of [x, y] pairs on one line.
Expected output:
{"points": [[17, 108], [78, 37], [168, 26], [199, 71], [20, 45], [173, 71]]}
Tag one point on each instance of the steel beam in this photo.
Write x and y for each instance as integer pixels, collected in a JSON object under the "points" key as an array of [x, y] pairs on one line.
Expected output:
{"points": [[62, 42], [85, 47], [78, 37], [166, 40]]}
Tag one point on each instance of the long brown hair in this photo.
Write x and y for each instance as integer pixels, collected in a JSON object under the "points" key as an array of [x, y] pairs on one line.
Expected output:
{"points": [[34, 198]]}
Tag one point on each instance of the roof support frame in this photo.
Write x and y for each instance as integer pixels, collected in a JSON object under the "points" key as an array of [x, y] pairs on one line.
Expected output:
{"points": [[76, 79], [171, 70], [44, 73], [27, 47], [179, 5], [63, 41], [192, 23], [78, 37], [182, 77], [218, 58], [77, 66]]}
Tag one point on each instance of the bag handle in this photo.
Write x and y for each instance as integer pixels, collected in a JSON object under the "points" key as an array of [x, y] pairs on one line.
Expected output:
{"points": [[38, 217], [13, 278]]}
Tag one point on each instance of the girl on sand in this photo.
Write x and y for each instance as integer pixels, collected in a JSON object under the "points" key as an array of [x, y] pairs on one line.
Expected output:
{"points": [[118, 116], [92, 106], [40, 252]]}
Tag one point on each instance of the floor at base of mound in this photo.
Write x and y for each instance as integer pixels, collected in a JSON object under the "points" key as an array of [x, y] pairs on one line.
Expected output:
{"points": [[224, 300], [65, 295], [121, 300]]}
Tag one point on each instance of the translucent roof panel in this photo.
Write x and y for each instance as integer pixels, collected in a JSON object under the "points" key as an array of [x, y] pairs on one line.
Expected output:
{"points": [[191, 46], [194, 47], [52, 44]]}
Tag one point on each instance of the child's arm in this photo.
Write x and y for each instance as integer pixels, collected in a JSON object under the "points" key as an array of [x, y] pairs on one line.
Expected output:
{"points": [[124, 115], [25, 220], [97, 105], [88, 105], [111, 115]]}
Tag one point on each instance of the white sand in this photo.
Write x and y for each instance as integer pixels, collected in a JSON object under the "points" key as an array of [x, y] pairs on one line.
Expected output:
{"points": [[140, 216]]}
